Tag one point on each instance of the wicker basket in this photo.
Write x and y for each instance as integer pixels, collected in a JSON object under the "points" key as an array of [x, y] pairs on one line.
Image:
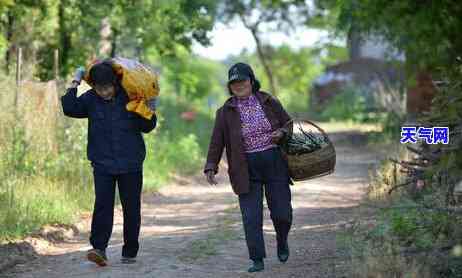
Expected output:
{"points": [[315, 164]]}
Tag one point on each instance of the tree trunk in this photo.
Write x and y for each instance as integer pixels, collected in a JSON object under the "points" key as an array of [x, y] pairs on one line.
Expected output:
{"points": [[64, 38], [115, 34], [264, 61], [354, 43], [9, 37], [105, 44]]}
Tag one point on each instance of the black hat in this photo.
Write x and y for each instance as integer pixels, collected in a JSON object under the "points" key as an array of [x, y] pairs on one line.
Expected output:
{"points": [[240, 72]]}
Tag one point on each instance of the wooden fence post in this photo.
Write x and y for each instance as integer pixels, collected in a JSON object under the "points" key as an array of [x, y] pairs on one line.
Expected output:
{"points": [[18, 75], [56, 65]]}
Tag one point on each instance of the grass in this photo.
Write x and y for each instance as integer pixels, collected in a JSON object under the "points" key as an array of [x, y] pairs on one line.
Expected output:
{"points": [[43, 183], [37, 201], [38, 185], [392, 238]]}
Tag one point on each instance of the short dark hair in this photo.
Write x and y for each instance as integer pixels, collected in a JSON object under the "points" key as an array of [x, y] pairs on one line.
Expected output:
{"points": [[102, 74]]}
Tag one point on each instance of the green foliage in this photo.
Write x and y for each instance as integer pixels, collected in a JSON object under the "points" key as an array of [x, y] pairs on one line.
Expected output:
{"points": [[408, 224], [23, 23], [176, 147], [255, 12], [404, 225], [163, 24], [294, 71], [56, 201], [391, 125], [174, 156], [379, 247], [427, 33], [74, 27], [278, 15], [191, 78], [347, 105], [330, 53], [431, 42], [188, 83]]}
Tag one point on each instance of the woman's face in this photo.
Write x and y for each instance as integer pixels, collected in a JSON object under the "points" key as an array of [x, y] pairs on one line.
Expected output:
{"points": [[241, 88], [106, 91]]}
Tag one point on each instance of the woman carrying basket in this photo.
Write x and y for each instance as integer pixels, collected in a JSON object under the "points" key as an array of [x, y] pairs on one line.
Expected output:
{"points": [[250, 125]]}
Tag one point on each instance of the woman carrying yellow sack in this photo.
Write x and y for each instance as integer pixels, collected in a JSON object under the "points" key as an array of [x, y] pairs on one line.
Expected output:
{"points": [[116, 150]]}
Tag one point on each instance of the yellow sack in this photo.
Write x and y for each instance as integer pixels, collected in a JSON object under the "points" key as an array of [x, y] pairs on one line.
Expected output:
{"points": [[140, 83]]}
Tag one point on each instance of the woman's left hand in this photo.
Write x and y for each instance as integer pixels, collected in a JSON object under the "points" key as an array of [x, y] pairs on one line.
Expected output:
{"points": [[276, 136]]}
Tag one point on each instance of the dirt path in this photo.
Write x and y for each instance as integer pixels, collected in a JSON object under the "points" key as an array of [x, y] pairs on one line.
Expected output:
{"points": [[194, 230]]}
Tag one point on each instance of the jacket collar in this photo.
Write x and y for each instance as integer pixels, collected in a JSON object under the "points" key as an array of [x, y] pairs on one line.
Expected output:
{"points": [[261, 96]]}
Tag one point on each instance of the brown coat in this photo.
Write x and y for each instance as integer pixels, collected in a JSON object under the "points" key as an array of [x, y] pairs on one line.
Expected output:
{"points": [[227, 134]]}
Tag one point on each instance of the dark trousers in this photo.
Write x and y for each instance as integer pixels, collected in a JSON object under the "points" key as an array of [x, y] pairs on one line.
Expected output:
{"points": [[269, 173], [130, 186]]}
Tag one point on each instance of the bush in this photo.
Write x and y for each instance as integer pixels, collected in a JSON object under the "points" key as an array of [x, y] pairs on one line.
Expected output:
{"points": [[406, 236], [39, 187], [176, 146], [347, 105]]}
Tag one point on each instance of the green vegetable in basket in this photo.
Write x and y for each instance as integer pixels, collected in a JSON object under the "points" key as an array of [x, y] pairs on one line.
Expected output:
{"points": [[304, 142]]}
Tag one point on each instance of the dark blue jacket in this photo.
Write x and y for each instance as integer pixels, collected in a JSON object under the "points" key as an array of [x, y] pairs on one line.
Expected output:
{"points": [[115, 143]]}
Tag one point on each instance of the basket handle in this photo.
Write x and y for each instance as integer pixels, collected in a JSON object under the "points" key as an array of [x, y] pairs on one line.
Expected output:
{"points": [[310, 122]]}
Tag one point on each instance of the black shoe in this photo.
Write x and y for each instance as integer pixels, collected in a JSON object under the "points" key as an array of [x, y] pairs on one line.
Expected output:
{"points": [[128, 260], [283, 253], [258, 265], [97, 256]]}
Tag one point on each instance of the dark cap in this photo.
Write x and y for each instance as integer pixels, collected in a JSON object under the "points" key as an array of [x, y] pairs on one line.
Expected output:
{"points": [[240, 72]]}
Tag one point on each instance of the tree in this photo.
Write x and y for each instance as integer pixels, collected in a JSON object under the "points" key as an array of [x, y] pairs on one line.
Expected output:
{"points": [[427, 31], [74, 27], [255, 13], [17, 21], [161, 24]]}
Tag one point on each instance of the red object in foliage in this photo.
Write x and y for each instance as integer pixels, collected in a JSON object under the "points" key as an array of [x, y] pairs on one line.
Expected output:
{"points": [[188, 116]]}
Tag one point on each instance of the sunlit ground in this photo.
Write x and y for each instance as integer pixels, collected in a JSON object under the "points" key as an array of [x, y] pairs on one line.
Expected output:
{"points": [[344, 126]]}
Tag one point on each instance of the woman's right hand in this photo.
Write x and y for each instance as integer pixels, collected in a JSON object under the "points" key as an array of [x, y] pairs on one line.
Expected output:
{"points": [[210, 174], [276, 136]]}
